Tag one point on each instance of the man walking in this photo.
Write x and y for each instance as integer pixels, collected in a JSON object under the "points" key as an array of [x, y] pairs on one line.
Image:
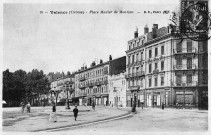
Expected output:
{"points": [[93, 105], [28, 106], [75, 111]]}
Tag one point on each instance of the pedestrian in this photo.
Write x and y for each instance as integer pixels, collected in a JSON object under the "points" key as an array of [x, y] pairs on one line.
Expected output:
{"points": [[53, 114], [133, 107], [163, 106], [93, 105], [22, 107], [75, 111], [28, 106]]}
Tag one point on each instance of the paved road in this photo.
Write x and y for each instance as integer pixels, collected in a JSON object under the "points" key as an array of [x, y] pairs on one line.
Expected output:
{"points": [[38, 119], [149, 120]]}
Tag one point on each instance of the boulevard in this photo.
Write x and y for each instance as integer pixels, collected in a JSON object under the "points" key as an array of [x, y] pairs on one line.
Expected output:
{"points": [[144, 120]]}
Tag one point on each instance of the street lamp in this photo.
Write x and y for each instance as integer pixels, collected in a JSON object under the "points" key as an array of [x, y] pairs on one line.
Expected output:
{"points": [[67, 84], [68, 87]]}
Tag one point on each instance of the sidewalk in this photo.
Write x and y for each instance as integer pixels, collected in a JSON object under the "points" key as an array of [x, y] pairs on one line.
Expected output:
{"points": [[38, 119]]}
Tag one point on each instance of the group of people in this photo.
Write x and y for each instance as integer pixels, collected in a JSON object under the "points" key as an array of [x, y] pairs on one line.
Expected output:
{"points": [[53, 117], [28, 107]]}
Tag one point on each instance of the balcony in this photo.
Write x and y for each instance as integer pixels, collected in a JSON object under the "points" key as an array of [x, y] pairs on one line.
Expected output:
{"points": [[184, 67], [133, 88], [91, 84], [82, 94], [156, 71], [184, 50], [105, 82], [141, 73], [97, 83], [82, 78], [81, 86], [185, 84]]}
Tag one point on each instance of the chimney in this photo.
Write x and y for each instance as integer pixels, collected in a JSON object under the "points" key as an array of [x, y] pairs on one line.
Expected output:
{"points": [[93, 63], [136, 33], [146, 29], [101, 61], [154, 30], [110, 57]]}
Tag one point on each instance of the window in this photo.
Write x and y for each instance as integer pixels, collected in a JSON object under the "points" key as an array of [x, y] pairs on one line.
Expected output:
{"points": [[156, 65], [150, 53], [179, 80], [204, 45], [156, 52], [142, 42], [179, 46], [137, 57], [162, 65], [150, 82], [189, 78], [162, 50], [132, 58], [150, 68], [141, 55], [162, 80], [189, 46], [128, 59], [179, 61], [156, 81]]}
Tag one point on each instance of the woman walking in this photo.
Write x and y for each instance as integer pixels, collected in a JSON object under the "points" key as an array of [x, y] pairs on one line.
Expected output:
{"points": [[53, 117]]}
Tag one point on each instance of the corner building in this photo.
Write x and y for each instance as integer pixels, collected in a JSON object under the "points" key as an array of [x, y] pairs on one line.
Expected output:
{"points": [[174, 70]]}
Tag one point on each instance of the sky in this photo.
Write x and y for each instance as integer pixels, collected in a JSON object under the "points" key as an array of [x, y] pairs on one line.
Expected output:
{"points": [[66, 42]]}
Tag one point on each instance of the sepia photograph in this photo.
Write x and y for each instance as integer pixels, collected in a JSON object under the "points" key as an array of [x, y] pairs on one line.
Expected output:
{"points": [[105, 67]]}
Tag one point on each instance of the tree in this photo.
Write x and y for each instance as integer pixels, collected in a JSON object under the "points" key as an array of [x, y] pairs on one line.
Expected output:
{"points": [[37, 84]]}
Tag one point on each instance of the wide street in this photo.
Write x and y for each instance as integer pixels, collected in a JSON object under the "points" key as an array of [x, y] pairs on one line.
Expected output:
{"points": [[154, 119], [145, 120]]}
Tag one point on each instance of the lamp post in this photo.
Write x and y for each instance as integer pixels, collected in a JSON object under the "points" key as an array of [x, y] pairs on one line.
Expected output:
{"points": [[67, 85]]}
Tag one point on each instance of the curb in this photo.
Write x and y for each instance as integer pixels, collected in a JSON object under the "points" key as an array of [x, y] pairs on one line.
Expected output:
{"points": [[129, 114]]}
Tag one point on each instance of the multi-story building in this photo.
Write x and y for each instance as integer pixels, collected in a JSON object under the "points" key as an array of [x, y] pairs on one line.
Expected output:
{"points": [[91, 84], [175, 70], [135, 71], [64, 86], [117, 90]]}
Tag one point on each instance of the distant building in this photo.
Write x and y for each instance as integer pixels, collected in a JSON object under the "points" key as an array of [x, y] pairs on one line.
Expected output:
{"points": [[117, 90], [92, 83], [66, 87]]}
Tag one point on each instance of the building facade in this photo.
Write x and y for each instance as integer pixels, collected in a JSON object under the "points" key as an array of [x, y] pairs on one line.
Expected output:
{"points": [[64, 87], [175, 70], [91, 84], [117, 90]]}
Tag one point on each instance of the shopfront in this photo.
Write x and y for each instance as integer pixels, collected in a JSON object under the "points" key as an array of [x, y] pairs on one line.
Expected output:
{"points": [[155, 98], [185, 98]]}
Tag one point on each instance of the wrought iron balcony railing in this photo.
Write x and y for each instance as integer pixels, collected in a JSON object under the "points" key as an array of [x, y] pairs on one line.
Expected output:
{"points": [[184, 50], [185, 84], [184, 67]]}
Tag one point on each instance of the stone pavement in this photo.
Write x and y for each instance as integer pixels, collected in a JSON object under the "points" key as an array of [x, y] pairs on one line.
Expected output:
{"points": [[155, 120], [38, 119]]}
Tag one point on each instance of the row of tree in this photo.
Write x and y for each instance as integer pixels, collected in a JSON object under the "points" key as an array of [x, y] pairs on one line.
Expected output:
{"points": [[20, 86]]}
